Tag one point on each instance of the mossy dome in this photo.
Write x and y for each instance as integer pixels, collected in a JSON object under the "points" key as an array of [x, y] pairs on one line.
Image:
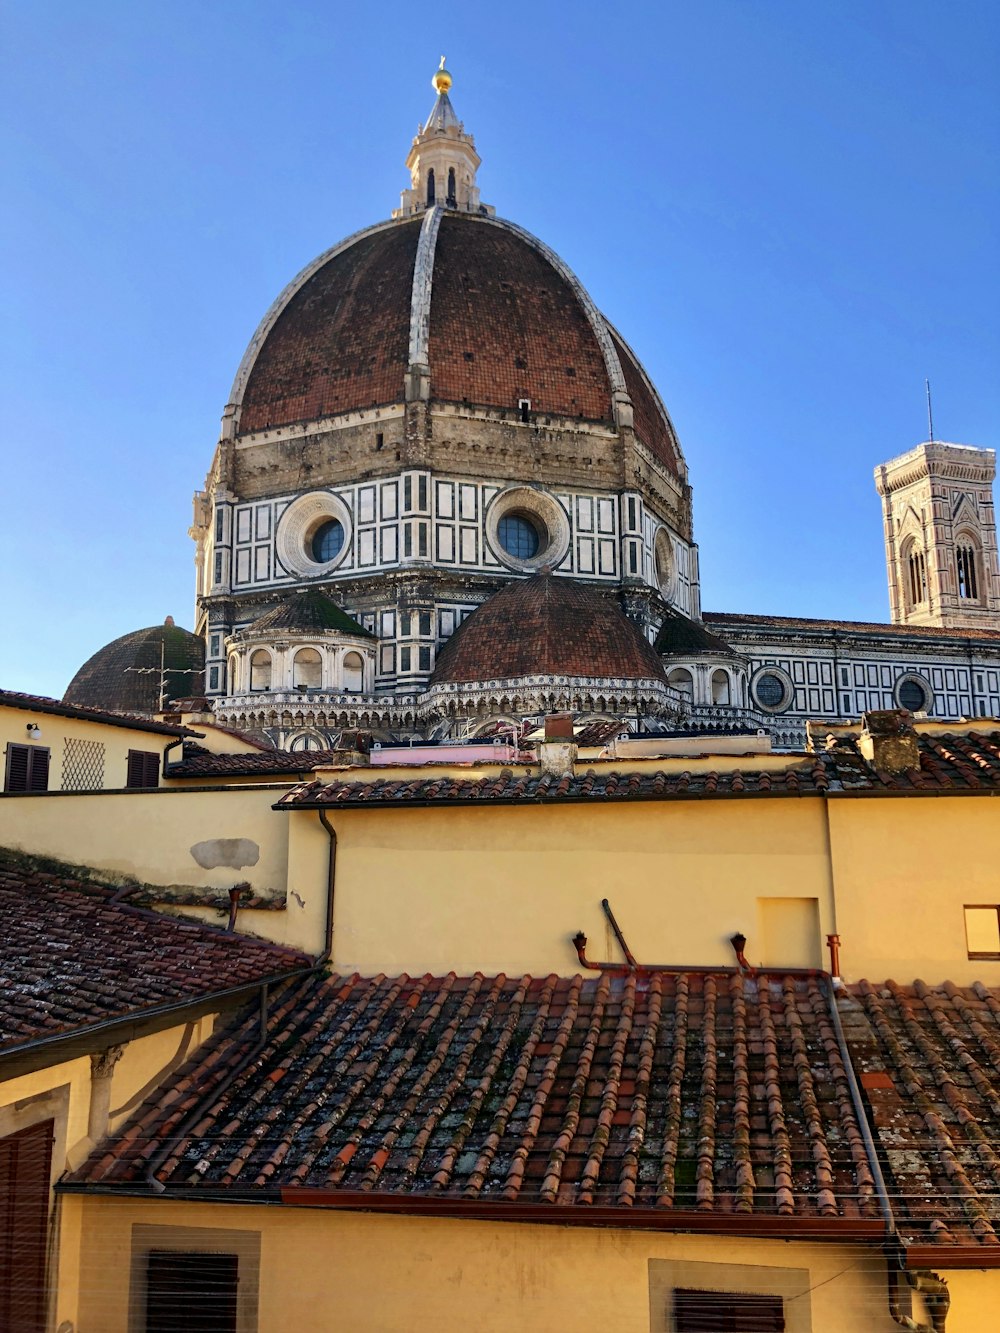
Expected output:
{"points": [[132, 674]]}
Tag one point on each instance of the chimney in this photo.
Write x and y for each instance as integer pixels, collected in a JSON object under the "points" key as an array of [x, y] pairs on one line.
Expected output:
{"points": [[888, 740], [557, 751]]}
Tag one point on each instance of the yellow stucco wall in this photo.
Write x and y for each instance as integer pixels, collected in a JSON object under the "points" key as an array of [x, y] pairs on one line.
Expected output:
{"points": [[320, 1269], [149, 836], [506, 889], [56, 731], [904, 869]]}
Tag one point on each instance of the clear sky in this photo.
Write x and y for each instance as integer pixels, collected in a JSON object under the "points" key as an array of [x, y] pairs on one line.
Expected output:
{"points": [[791, 211]]}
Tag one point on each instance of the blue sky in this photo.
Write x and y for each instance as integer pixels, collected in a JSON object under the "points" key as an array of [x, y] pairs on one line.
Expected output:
{"points": [[791, 211]]}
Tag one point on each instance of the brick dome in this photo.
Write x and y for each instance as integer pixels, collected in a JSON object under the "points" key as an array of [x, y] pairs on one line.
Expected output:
{"points": [[124, 675], [547, 626], [493, 314]]}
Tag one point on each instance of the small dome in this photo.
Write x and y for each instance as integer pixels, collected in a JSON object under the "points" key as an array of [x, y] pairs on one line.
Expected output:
{"points": [[681, 637], [547, 626], [309, 612], [124, 675]]}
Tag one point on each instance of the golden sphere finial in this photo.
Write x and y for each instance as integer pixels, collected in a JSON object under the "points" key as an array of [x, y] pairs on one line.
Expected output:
{"points": [[441, 81]]}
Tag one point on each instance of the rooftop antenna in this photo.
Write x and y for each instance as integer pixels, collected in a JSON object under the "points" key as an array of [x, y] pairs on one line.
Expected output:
{"points": [[930, 414]]}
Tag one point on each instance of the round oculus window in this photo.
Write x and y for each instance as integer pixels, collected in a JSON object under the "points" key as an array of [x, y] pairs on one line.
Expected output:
{"points": [[770, 690], [519, 537], [912, 695], [327, 541]]}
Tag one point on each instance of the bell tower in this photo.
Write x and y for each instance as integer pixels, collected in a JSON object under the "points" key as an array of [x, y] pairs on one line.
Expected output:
{"points": [[941, 537], [442, 161]]}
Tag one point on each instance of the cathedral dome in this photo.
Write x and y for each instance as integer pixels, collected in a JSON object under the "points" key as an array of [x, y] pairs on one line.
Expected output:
{"points": [[125, 675], [489, 314], [547, 626]]}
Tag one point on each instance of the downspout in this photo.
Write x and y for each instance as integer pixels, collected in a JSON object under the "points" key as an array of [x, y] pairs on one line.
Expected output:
{"points": [[929, 1285], [331, 883]]}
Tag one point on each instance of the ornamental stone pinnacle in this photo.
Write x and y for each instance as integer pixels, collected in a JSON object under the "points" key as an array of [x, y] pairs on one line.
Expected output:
{"points": [[442, 161]]}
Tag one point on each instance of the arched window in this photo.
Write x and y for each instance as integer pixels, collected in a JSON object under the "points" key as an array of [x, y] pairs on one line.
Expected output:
{"points": [[452, 201], [307, 669], [260, 670], [306, 741], [430, 187], [916, 576], [720, 687], [354, 673], [965, 560], [682, 681]]}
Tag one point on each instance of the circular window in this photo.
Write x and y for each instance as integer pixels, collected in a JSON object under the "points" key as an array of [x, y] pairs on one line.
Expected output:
{"points": [[327, 541], [314, 534], [519, 537], [663, 562], [914, 694], [527, 529], [772, 690]]}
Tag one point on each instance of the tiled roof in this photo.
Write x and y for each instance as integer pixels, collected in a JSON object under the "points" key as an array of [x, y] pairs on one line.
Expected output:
{"points": [[308, 612], [341, 341], [38, 703], [953, 762], [699, 1098], [949, 765], [125, 674], [547, 625], [505, 787], [680, 636], [729, 621], [505, 325], [70, 956], [710, 1094], [205, 765], [928, 1060]]}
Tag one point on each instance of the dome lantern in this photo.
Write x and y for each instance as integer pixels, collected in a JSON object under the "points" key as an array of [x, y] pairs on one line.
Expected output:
{"points": [[442, 161]]}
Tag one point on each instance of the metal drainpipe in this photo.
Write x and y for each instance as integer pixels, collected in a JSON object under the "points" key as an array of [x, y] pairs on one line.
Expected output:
{"points": [[331, 883], [928, 1284]]}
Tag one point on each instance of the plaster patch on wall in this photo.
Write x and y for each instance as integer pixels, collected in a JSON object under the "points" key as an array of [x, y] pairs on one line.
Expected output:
{"points": [[232, 852]]}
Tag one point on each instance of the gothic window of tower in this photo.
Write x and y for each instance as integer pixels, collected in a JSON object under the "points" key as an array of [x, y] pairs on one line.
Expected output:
{"points": [[966, 570]]}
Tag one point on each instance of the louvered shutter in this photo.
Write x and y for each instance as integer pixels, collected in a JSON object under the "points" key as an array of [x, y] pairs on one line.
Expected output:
{"points": [[16, 776], [25, 1160], [38, 768], [143, 769], [27, 768], [727, 1312]]}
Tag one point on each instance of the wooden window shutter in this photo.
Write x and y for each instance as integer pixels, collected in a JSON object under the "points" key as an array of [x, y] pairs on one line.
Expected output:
{"points": [[27, 768], [143, 769], [191, 1290], [727, 1312], [38, 768], [16, 776], [25, 1161]]}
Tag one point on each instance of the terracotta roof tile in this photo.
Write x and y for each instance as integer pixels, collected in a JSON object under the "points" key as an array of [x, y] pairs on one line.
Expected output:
{"points": [[717, 1094], [967, 763], [505, 325], [70, 956], [928, 1057], [731, 621], [199, 763], [39, 703], [547, 625], [341, 341]]}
